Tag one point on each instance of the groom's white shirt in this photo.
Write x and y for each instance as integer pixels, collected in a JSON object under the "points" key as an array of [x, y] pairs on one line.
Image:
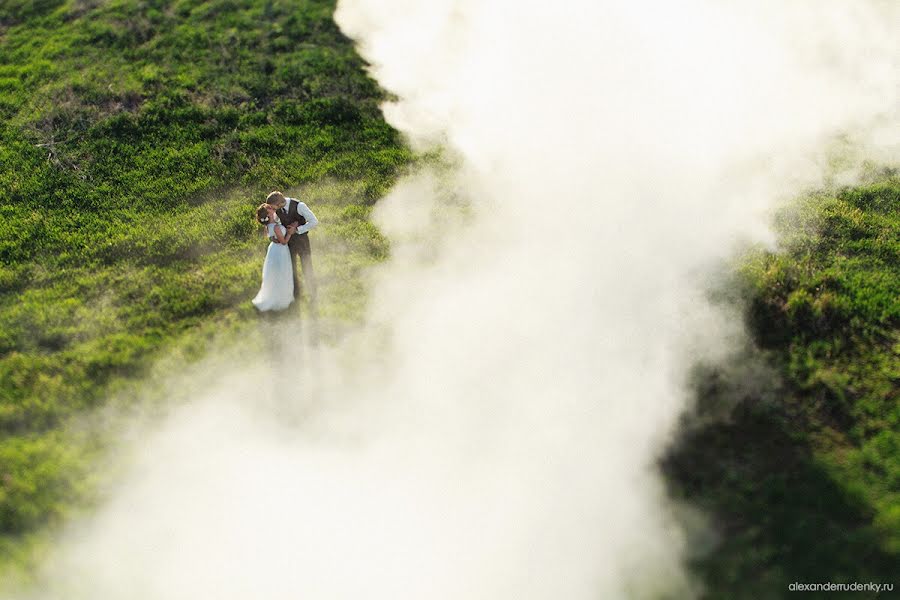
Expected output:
{"points": [[311, 220]]}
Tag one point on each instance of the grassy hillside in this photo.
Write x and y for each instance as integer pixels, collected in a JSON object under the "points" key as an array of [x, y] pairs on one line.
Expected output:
{"points": [[136, 137], [803, 481]]}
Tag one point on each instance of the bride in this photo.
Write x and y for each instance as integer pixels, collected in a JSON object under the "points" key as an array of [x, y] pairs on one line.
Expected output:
{"points": [[277, 290]]}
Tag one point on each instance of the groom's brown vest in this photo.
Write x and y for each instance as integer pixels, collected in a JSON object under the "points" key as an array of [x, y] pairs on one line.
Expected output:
{"points": [[299, 246], [288, 214]]}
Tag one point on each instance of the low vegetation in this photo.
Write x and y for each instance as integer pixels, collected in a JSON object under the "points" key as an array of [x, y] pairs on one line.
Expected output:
{"points": [[803, 481], [136, 136]]}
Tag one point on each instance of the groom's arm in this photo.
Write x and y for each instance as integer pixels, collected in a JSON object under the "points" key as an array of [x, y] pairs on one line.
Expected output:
{"points": [[311, 220]]}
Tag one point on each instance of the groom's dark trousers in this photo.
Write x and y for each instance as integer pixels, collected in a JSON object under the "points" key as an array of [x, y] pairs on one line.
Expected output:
{"points": [[299, 246]]}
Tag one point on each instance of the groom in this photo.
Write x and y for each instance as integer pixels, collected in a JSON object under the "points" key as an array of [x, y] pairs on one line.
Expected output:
{"points": [[289, 211]]}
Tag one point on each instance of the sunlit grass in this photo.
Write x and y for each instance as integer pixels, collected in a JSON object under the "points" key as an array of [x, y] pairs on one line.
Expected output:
{"points": [[136, 138]]}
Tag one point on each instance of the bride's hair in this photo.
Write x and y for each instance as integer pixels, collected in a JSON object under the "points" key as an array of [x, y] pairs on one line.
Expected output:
{"points": [[262, 213]]}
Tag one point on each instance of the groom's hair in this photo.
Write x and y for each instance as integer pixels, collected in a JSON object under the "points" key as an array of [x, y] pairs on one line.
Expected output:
{"points": [[276, 199]]}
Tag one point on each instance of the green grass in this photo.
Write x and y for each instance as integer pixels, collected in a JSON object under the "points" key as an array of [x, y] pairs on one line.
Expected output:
{"points": [[136, 138], [803, 482]]}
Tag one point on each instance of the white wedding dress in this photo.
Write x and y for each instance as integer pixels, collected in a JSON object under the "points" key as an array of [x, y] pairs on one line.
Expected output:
{"points": [[277, 290]]}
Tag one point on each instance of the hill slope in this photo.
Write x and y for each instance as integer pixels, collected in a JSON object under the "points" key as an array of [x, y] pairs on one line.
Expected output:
{"points": [[803, 481], [136, 137]]}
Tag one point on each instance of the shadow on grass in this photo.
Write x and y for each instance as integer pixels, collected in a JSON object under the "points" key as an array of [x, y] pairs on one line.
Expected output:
{"points": [[294, 330], [778, 515]]}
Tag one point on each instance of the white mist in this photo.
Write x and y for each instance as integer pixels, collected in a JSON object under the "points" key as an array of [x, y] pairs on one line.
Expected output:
{"points": [[493, 432]]}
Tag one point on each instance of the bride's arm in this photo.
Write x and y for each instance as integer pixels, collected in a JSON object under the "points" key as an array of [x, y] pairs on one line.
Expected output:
{"points": [[279, 237], [290, 231]]}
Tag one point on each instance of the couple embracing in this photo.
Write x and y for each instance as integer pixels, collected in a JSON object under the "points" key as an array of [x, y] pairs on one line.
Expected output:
{"points": [[287, 222]]}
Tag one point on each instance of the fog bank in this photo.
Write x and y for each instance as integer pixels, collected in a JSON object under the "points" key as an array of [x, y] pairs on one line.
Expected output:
{"points": [[491, 431]]}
